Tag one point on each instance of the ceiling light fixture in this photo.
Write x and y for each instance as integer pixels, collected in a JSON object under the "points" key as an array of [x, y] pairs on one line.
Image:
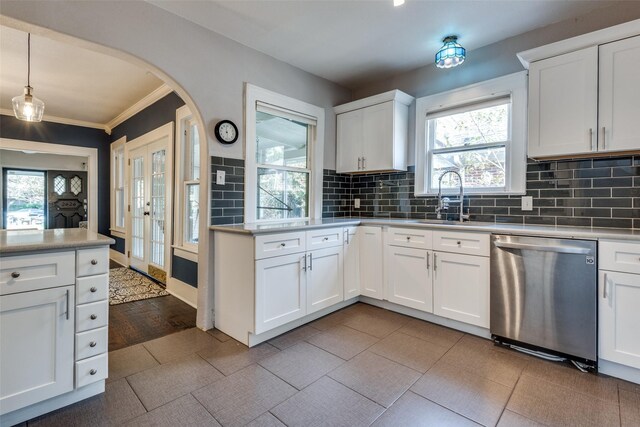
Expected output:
{"points": [[397, 3], [27, 107], [451, 54]]}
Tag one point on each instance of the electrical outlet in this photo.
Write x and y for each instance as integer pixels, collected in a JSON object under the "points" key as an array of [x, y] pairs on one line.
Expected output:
{"points": [[356, 203], [527, 203], [220, 177]]}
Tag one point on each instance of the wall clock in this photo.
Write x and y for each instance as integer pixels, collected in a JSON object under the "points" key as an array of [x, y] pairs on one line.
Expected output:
{"points": [[226, 132]]}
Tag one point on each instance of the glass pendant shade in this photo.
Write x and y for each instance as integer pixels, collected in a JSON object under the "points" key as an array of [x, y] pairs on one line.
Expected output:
{"points": [[27, 107], [451, 54]]}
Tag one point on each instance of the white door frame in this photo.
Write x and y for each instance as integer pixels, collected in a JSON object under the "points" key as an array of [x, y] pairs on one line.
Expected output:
{"points": [[164, 131], [69, 150]]}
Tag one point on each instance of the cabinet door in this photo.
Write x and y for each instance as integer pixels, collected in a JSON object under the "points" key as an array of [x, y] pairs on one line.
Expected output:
{"points": [[409, 277], [461, 288], [619, 318], [280, 291], [325, 281], [36, 337], [349, 141], [619, 95], [351, 263], [371, 283], [563, 99], [377, 140]]}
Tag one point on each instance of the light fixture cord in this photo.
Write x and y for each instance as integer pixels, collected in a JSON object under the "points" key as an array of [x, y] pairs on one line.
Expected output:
{"points": [[29, 60]]}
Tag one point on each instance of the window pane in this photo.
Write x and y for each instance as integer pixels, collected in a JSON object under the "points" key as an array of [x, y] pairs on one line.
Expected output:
{"points": [[280, 141], [120, 207], [479, 168], [25, 199], [479, 126], [191, 213], [282, 194], [194, 153]]}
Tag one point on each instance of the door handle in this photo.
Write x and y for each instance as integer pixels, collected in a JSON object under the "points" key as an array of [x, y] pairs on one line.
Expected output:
{"points": [[311, 262], [591, 139], [545, 248], [364, 163], [359, 160], [604, 141], [428, 256], [67, 298], [435, 261], [304, 267], [146, 213]]}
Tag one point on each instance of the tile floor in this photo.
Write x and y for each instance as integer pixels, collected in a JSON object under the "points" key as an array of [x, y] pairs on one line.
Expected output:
{"points": [[356, 367]]}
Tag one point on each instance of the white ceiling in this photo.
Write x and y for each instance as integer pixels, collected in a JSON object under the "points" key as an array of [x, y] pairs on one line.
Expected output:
{"points": [[351, 42], [74, 83]]}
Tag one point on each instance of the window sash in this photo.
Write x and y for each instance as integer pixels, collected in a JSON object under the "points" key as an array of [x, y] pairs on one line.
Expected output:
{"points": [[186, 233]]}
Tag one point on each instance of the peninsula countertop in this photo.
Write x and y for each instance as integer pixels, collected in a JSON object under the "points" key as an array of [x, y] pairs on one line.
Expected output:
{"points": [[496, 228], [18, 241]]}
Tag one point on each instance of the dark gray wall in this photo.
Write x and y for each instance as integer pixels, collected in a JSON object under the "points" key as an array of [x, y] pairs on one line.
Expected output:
{"points": [[56, 133]]}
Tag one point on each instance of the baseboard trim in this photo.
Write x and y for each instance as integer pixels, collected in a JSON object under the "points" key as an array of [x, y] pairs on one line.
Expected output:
{"points": [[118, 257], [619, 371], [184, 292]]}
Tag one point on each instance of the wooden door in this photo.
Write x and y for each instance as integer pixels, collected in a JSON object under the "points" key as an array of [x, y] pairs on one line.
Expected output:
{"points": [[619, 317], [563, 104], [619, 107], [377, 137], [409, 277], [66, 198], [461, 288], [325, 281], [349, 142], [37, 338]]}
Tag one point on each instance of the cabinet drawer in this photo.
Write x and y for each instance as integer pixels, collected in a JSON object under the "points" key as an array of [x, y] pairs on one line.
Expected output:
{"points": [[461, 243], [92, 261], [279, 244], [92, 289], [91, 370], [324, 238], [620, 256], [91, 316], [409, 238], [91, 343], [22, 273]]}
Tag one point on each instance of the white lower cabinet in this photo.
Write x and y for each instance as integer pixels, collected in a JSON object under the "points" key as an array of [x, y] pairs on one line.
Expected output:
{"points": [[409, 277], [36, 338], [619, 314], [325, 281], [280, 291], [461, 287], [351, 264], [371, 258]]}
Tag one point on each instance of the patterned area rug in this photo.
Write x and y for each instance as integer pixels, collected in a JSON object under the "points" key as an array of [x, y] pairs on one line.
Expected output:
{"points": [[126, 285]]}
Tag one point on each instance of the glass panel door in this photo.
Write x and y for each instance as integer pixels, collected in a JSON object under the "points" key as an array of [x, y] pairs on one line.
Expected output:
{"points": [[157, 211], [138, 252]]}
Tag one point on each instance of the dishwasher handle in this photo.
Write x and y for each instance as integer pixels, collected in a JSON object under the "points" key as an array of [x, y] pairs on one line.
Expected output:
{"points": [[545, 248]]}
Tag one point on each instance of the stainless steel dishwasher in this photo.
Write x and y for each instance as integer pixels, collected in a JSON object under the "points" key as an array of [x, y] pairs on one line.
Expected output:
{"points": [[544, 297]]}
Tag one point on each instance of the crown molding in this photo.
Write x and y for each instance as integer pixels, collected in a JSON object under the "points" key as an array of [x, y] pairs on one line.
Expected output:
{"points": [[64, 121], [162, 91]]}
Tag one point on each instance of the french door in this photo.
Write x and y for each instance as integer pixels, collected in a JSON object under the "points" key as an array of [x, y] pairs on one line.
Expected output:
{"points": [[150, 184]]}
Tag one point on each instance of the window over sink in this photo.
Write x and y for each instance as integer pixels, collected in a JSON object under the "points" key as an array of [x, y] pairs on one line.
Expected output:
{"points": [[478, 131]]}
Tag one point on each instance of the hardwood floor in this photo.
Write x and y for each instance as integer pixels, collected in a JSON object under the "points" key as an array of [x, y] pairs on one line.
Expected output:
{"points": [[139, 321]]}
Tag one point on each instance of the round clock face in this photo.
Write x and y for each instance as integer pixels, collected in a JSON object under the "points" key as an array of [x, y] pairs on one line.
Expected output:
{"points": [[226, 132]]}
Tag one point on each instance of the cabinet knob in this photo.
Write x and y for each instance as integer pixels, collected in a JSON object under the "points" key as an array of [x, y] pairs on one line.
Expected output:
{"points": [[408, 238], [93, 372], [325, 239], [283, 244], [458, 242], [94, 262], [93, 317], [92, 344], [15, 274], [93, 289]]}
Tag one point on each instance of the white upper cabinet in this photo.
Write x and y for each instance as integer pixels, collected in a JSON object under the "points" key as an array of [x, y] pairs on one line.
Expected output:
{"points": [[585, 101], [372, 133], [563, 104], [619, 95]]}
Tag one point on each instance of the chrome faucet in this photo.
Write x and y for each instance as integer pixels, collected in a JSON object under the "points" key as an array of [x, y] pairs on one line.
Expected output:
{"points": [[443, 203]]}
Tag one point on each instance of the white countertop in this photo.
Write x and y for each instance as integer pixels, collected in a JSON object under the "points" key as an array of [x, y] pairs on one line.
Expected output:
{"points": [[532, 230], [16, 241]]}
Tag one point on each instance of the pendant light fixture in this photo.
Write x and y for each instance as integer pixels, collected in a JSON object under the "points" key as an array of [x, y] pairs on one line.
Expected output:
{"points": [[27, 107], [451, 54]]}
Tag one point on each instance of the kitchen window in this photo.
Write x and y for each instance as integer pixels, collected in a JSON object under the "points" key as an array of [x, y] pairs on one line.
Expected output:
{"points": [[187, 210], [118, 180], [284, 160], [478, 131]]}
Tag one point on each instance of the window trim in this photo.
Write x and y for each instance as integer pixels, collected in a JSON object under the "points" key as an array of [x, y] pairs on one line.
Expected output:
{"points": [[183, 117], [513, 85], [118, 145], [255, 95]]}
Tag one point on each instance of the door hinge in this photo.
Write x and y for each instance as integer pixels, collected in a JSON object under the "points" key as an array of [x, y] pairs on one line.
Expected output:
{"points": [[129, 162], [128, 254], [128, 208]]}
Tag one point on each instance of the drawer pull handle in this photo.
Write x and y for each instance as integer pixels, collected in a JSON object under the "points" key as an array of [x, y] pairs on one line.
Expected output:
{"points": [[325, 239], [15, 274], [283, 244], [94, 262], [92, 344], [93, 317], [93, 289], [93, 372], [458, 242]]}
